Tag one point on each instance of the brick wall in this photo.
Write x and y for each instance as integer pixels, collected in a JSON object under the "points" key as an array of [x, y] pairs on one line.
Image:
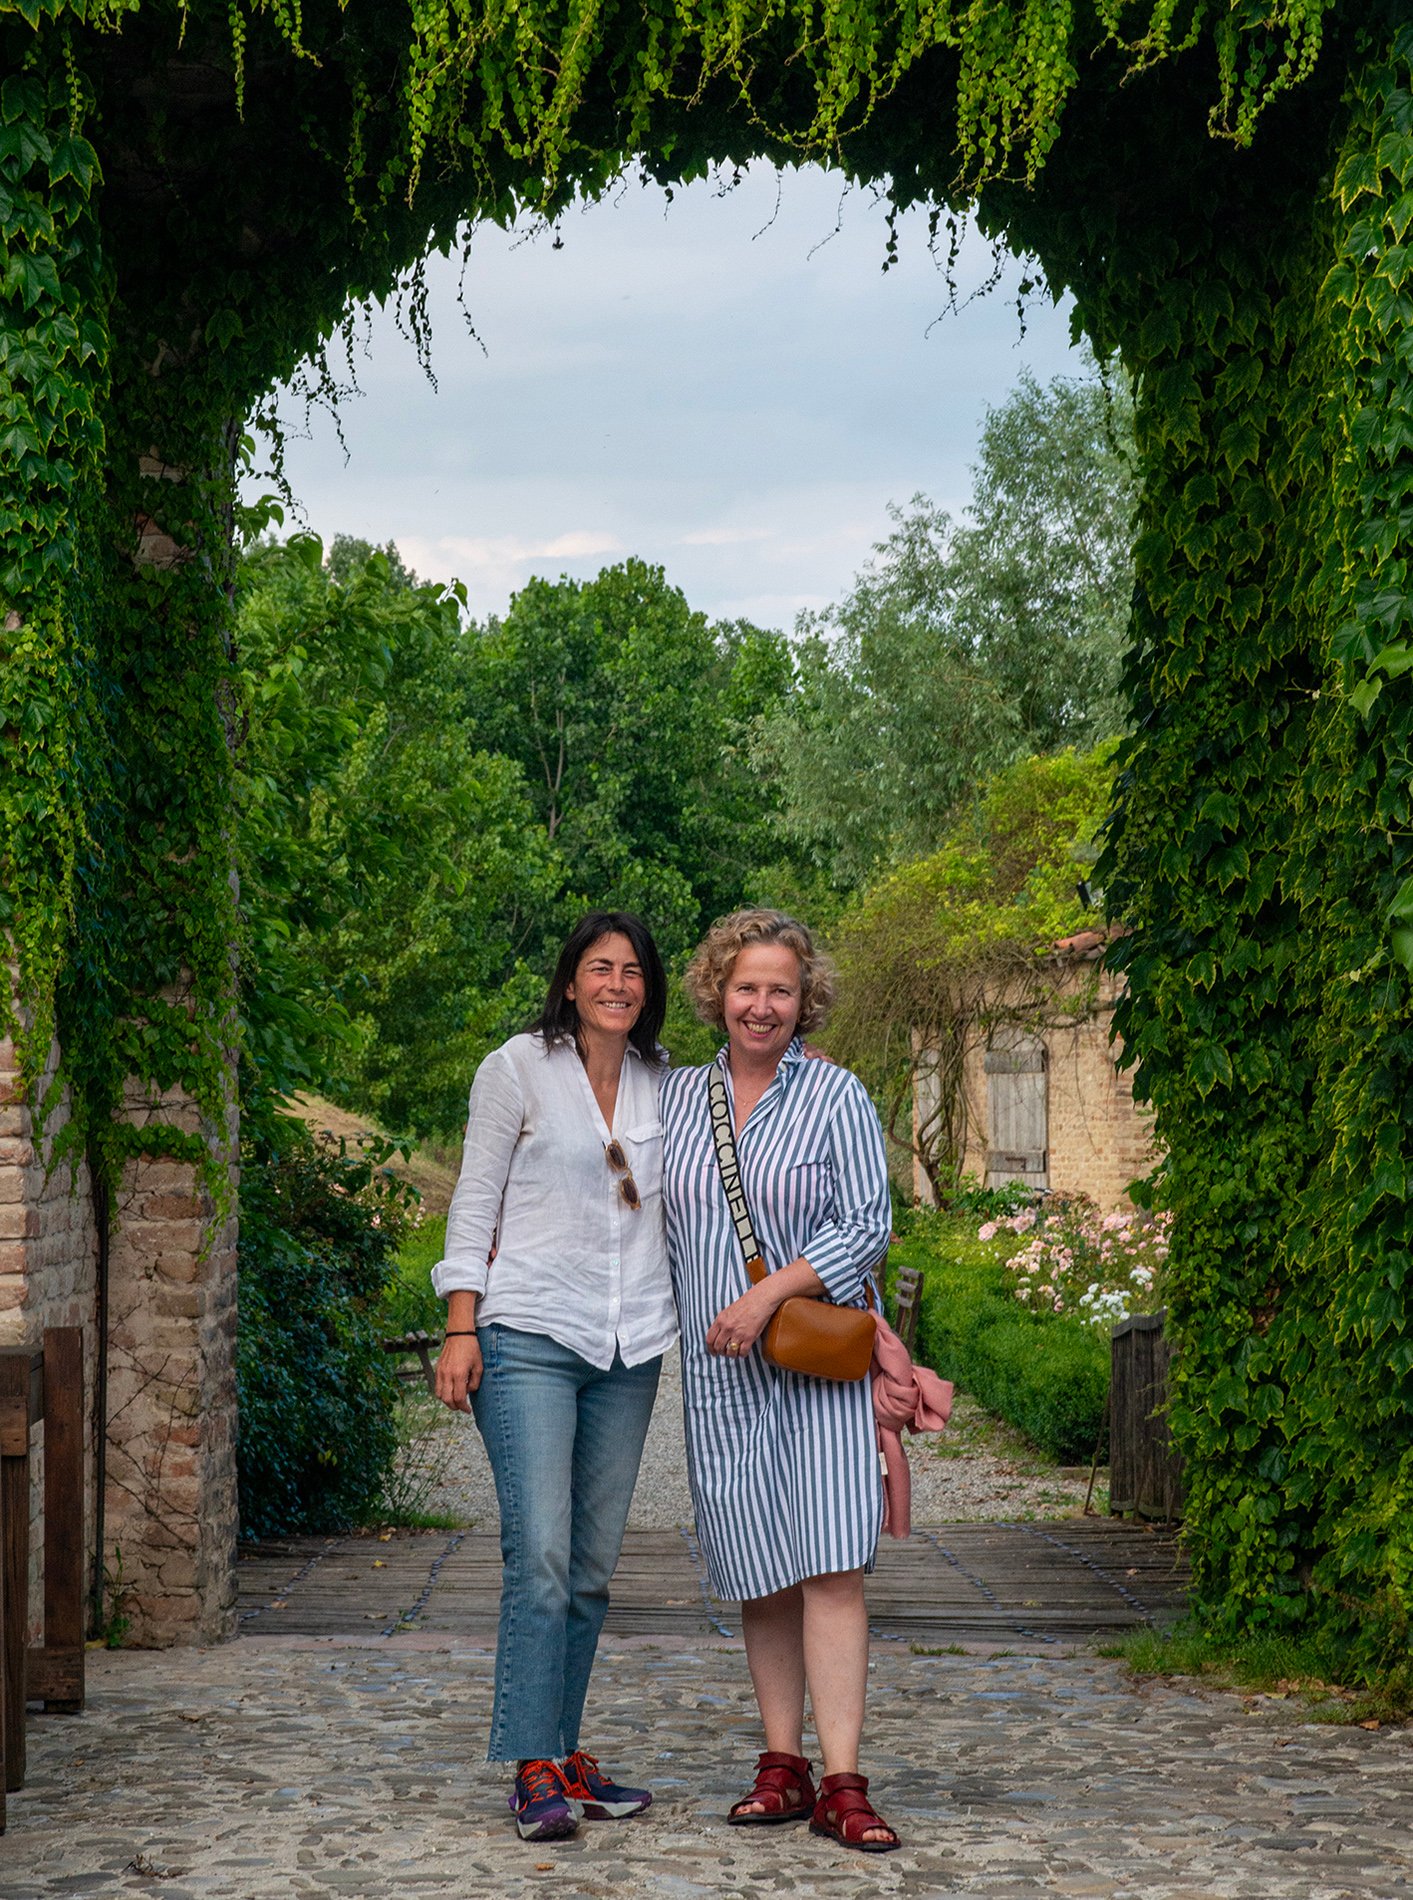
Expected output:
{"points": [[48, 1264], [1098, 1138], [170, 1493]]}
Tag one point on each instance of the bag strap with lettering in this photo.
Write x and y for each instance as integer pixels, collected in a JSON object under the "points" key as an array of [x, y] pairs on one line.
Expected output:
{"points": [[719, 1107]]}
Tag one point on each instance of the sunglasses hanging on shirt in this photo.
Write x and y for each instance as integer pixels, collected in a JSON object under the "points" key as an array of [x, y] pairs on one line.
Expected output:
{"points": [[627, 1187]]}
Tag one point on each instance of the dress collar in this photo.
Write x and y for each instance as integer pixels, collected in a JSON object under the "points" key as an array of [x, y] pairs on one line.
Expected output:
{"points": [[793, 1054]]}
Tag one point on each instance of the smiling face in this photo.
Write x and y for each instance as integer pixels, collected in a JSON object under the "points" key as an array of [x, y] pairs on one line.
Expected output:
{"points": [[761, 1002], [609, 987]]}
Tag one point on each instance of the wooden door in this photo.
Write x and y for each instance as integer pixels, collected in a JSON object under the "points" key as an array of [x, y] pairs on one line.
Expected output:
{"points": [[1017, 1110]]}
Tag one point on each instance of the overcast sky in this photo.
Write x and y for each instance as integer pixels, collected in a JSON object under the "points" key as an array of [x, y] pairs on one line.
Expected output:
{"points": [[718, 385]]}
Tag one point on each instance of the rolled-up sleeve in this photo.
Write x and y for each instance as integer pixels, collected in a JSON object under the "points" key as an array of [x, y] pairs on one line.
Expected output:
{"points": [[495, 1117], [846, 1246]]}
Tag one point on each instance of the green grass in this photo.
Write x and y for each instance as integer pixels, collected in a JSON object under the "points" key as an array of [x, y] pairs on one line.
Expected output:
{"points": [[425, 1449], [1286, 1668], [430, 1521], [410, 1305]]}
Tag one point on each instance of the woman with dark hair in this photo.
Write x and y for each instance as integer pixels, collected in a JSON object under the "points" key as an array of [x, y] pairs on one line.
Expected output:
{"points": [[559, 1308]]}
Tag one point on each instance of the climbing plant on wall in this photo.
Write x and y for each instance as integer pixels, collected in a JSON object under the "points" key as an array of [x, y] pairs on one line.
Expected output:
{"points": [[190, 195]]}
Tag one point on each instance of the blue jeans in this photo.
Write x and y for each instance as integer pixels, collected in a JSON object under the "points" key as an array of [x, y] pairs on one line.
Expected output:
{"points": [[564, 1441]]}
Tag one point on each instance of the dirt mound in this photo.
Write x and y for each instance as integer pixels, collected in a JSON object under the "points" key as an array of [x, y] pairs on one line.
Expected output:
{"points": [[432, 1171]]}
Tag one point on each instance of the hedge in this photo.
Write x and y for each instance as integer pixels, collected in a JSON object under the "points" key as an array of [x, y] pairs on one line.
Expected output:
{"points": [[1047, 1375], [318, 1395]]}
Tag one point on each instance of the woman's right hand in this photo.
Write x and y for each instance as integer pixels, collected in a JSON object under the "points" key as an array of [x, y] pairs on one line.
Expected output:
{"points": [[458, 1371]]}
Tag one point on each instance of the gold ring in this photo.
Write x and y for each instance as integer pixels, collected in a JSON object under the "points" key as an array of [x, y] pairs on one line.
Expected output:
{"points": [[731, 1346]]}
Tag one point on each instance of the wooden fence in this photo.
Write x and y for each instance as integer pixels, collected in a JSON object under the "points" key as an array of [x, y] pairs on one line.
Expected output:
{"points": [[34, 1385], [1145, 1473]]}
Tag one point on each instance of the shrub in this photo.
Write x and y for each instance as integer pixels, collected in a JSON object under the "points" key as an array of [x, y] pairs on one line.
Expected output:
{"points": [[318, 1395], [1046, 1374], [1050, 1380]]}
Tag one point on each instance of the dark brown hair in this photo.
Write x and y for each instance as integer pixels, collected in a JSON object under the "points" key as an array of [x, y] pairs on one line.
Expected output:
{"points": [[558, 1021]]}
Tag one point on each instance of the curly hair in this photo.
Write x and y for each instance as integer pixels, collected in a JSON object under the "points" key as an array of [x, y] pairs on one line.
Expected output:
{"points": [[715, 957]]}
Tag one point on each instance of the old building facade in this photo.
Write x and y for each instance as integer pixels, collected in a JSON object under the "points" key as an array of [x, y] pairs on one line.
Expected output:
{"points": [[1047, 1103]]}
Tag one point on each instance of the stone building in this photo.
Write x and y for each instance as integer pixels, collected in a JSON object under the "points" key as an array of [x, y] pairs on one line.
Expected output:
{"points": [[1046, 1103], [151, 1281]]}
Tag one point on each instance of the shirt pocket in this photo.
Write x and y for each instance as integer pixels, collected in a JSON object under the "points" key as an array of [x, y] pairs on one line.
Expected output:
{"points": [[642, 1145], [807, 1188]]}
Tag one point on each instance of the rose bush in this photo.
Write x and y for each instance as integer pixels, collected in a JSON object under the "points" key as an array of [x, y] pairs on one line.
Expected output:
{"points": [[1097, 1268]]}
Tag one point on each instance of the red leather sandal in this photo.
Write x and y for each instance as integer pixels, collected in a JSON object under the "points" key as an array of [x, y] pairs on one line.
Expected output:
{"points": [[784, 1789], [845, 1814]]}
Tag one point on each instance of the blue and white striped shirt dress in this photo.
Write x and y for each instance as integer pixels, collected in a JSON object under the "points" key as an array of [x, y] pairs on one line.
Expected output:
{"points": [[784, 1467]]}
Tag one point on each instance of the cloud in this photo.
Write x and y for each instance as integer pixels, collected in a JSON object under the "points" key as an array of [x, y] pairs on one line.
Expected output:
{"points": [[722, 537], [495, 566], [580, 544], [704, 386], [483, 550]]}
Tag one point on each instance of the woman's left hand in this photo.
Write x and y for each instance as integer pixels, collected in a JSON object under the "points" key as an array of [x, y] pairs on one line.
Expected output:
{"points": [[738, 1326]]}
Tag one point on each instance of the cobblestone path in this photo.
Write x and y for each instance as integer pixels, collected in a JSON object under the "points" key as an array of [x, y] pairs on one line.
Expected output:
{"points": [[299, 1766]]}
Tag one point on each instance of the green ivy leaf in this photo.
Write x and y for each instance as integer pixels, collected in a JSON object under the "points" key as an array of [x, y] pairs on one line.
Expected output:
{"points": [[1239, 443], [1211, 1066], [223, 328]]}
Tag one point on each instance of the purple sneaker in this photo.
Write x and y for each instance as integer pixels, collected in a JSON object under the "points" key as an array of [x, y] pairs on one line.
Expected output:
{"points": [[600, 1798], [543, 1806]]}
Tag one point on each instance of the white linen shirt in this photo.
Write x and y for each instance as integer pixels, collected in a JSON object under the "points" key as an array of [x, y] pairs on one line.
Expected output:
{"points": [[573, 1260]]}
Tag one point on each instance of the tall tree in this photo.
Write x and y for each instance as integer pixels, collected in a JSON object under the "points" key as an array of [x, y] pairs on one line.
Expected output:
{"points": [[629, 715], [962, 646], [389, 870]]}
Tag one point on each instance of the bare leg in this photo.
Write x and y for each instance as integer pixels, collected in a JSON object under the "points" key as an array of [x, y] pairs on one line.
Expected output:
{"points": [[775, 1650], [835, 1628]]}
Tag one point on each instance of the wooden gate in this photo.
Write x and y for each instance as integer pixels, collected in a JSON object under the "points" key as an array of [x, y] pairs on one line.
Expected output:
{"points": [[1017, 1110], [46, 1384]]}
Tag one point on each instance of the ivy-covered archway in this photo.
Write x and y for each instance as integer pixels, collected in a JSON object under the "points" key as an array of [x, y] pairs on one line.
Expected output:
{"points": [[190, 194]]}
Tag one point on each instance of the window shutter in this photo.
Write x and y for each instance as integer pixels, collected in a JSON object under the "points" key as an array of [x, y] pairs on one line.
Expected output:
{"points": [[1017, 1110]]}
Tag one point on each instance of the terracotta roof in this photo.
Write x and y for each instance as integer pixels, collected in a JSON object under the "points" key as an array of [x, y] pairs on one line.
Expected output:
{"points": [[1088, 945]]}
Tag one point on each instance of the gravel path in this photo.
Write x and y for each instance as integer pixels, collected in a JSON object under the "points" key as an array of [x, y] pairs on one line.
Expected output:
{"points": [[977, 1471]]}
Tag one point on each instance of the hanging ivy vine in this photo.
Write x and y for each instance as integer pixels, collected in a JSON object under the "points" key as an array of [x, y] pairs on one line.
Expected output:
{"points": [[1261, 851], [191, 194]]}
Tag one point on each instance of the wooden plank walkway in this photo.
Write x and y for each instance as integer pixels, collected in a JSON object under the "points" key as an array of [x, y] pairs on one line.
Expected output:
{"points": [[1073, 1580]]}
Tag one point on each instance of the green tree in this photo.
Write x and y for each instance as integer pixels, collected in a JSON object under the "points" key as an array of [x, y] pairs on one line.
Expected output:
{"points": [[390, 871], [964, 645], [1042, 568], [942, 949], [630, 715]]}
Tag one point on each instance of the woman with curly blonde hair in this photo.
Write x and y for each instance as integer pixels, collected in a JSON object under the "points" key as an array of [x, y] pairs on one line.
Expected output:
{"points": [[784, 1466]]}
